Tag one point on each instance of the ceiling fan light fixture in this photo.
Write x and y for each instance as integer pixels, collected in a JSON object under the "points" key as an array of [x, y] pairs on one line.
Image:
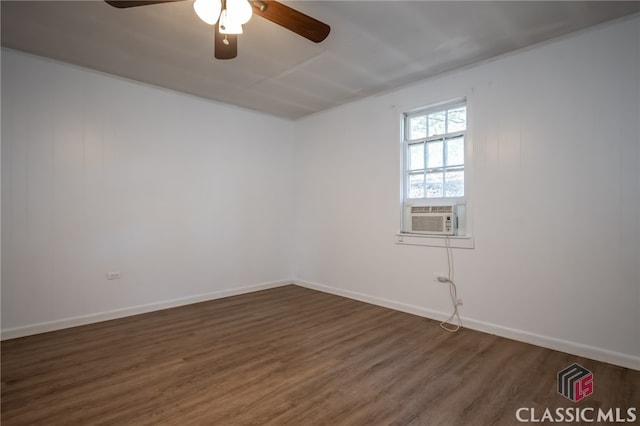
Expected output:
{"points": [[208, 10], [229, 25], [240, 10], [230, 15]]}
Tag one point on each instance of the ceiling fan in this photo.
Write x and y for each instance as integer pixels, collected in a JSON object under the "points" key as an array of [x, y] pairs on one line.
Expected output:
{"points": [[230, 15]]}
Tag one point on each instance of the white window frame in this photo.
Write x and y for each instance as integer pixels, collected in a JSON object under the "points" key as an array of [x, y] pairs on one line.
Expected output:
{"points": [[464, 239], [426, 140]]}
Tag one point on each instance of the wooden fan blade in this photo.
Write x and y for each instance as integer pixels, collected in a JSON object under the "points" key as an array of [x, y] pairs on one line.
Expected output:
{"points": [[133, 3], [225, 45], [291, 19]]}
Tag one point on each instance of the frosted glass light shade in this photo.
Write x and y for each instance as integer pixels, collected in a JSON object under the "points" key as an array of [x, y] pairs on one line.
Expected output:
{"points": [[239, 11], [208, 10]]}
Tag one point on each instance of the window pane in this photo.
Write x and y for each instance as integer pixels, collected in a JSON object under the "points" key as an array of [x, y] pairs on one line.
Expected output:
{"points": [[435, 154], [434, 185], [416, 156], [457, 120], [417, 127], [455, 152], [454, 184], [437, 123], [416, 185]]}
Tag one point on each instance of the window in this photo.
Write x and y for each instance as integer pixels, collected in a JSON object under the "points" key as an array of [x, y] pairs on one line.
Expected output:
{"points": [[434, 153]]}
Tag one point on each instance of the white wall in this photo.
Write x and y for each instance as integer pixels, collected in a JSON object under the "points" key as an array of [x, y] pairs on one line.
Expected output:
{"points": [[189, 199], [103, 174], [555, 194]]}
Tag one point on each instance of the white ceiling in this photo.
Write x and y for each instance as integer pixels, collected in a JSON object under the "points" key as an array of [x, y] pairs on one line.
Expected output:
{"points": [[374, 46]]}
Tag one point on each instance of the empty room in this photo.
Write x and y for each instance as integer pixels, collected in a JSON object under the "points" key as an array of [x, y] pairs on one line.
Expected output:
{"points": [[320, 212]]}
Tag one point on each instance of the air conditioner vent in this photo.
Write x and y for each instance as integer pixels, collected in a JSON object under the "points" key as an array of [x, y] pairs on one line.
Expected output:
{"points": [[432, 209], [437, 220], [441, 209]]}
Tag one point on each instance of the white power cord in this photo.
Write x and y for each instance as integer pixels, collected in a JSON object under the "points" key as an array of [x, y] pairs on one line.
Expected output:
{"points": [[453, 292]]}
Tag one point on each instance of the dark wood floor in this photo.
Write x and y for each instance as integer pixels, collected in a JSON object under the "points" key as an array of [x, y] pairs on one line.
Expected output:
{"points": [[286, 356]]}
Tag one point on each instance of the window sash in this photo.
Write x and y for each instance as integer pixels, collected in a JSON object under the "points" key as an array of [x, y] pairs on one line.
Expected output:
{"points": [[425, 112], [418, 172], [422, 182]]}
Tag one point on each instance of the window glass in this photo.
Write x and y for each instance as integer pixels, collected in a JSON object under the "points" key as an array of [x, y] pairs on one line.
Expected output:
{"points": [[456, 120], [437, 123], [455, 152], [416, 185], [417, 127], [434, 185], [416, 156], [435, 157], [454, 183]]}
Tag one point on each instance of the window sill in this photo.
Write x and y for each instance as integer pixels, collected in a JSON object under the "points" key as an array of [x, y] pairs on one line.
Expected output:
{"points": [[457, 241]]}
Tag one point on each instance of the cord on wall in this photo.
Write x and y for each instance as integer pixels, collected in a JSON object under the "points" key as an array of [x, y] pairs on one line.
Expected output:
{"points": [[453, 292]]}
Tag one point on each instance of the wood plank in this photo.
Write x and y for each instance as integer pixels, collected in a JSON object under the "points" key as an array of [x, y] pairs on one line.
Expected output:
{"points": [[286, 356]]}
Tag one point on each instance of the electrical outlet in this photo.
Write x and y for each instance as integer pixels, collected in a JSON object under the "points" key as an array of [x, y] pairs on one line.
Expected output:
{"points": [[113, 275], [459, 302]]}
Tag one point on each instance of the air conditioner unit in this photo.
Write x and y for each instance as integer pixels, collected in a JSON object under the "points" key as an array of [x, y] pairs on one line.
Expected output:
{"points": [[435, 220]]}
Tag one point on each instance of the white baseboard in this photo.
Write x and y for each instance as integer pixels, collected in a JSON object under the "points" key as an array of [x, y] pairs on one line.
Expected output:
{"points": [[574, 348], [599, 354], [43, 327]]}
